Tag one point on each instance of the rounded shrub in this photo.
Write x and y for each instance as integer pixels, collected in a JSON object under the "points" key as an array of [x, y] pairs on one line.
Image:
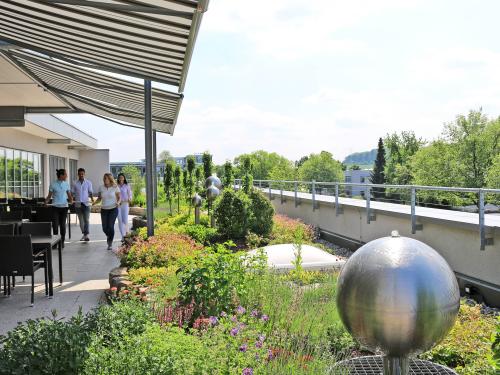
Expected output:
{"points": [[262, 212], [232, 214]]}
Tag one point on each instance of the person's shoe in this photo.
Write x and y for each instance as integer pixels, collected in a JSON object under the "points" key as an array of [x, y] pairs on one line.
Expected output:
{"points": [[109, 245], [83, 238], [87, 239]]}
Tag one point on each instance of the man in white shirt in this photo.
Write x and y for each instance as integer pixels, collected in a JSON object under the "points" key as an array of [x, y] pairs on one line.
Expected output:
{"points": [[82, 192]]}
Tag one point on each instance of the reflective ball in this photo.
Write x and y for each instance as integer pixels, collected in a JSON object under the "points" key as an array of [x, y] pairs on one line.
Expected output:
{"points": [[212, 193], [196, 201], [213, 180], [398, 296]]}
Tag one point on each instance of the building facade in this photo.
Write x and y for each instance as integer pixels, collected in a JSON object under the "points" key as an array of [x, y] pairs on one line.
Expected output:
{"points": [[360, 176], [31, 153]]}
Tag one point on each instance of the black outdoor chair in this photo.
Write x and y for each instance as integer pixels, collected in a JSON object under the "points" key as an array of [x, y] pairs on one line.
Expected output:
{"points": [[12, 215], [16, 259], [44, 215], [7, 229]]}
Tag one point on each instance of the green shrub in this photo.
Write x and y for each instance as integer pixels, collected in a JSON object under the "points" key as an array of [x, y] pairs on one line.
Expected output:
{"points": [[161, 250], [284, 230], [467, 346], [162, 280], [495, 348], [215, 281], [261, 213], [45, 346], [155, 351], [200, 233], [341, 342], [139, 200], [232, 214]]}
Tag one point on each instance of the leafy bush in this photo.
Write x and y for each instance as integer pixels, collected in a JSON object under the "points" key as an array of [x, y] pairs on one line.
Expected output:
{"points": [[254, 241], [138, 199], [214, 281], [495, 348], [162, 279], [45, 346], [262, 212], [467, 346], [341, 342], [161, 250], [155, 351], [232, 214], [200, 233], [284, 230]]}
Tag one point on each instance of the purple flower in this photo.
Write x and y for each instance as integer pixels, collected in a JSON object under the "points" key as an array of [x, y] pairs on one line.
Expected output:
{"points": [[234, 331], [213, 321], [254, 313], [247, 371], [223, 314], [258, 344], [240, 310], [234, 319], [265, 318], [262, 338], [242, 326], [243, 348], [270, 354]]}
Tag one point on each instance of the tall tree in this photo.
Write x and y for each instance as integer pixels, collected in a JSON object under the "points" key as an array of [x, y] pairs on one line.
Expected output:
{"points": [[190, 166], [228, 174], [178, 185], [321, 167], [263, 163], [378, 173], [400, 148], [165, 156], [207, 164], [247, 179], [198, 175], [168, 182]]}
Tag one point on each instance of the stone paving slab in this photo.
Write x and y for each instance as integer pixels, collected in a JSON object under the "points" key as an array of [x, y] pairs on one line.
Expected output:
{"points": [[85, 273]]}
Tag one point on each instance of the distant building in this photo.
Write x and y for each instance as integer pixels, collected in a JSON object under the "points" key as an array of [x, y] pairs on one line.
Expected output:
{"points": [[116, 167], [361, 176]]}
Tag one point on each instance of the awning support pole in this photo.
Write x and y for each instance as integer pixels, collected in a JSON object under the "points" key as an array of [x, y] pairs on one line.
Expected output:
{"points": [[148, 135], [155, 171]]}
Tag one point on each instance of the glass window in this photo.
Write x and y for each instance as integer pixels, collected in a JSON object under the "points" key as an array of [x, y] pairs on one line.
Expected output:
{"points": [[3, 172], [20, 174], [73, 170]]}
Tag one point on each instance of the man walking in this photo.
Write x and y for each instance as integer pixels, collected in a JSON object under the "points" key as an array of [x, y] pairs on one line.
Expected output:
{"points": [[82, 191]]}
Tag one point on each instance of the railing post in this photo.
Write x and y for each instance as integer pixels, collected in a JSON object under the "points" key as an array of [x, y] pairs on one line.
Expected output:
{"points": [[482, 233], [413, 216], [313, 191], [281, 193], [295, 187], [336, 199], [270, 195], [367, 194]]}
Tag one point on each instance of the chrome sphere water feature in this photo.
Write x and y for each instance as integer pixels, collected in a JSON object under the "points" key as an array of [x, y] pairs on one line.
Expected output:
{"points": [[196, 201], [212, 192], [213, 180], [398, 296]]}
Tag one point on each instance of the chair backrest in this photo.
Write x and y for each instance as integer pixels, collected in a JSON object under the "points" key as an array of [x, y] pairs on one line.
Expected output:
{"points": [[12, 215], [43, 214], [37, 229], [16, 255], [7, 229]]}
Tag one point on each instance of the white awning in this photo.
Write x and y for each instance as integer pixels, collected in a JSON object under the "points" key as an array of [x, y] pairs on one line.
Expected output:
{"points": [[148, 39]]}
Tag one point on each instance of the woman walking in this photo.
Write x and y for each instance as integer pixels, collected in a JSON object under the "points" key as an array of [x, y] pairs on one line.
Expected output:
{"points": [[126, 199], [60, 193], [109, 195]]}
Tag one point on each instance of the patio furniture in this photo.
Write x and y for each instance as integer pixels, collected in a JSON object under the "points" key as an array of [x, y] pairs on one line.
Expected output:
{"points": [[42, 238], [7, 229], [46, 214], [16, 259], [11, 215]]}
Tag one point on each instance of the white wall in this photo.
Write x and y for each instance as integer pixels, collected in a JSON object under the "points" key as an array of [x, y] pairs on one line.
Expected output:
{"points": [[95, 163]]}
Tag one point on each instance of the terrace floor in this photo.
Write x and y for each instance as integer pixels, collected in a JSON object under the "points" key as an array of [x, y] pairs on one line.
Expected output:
{"points": [[85, 274]]}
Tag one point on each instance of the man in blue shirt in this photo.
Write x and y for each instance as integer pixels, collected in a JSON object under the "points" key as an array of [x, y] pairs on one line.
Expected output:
{"points": [[82, 192], [60, 193]]}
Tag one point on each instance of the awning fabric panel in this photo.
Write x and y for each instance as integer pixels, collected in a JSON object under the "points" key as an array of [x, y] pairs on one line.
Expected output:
{"points": [[145, 39], [92, 91]]}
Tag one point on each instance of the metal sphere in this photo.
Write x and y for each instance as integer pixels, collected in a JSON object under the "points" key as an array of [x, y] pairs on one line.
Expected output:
{"points": [[212, 193], [398, 296], [196, 201], [213, 180]]}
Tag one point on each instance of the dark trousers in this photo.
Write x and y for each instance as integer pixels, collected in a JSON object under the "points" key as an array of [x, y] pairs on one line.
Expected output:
{"points": [[60, 215], [108, 219]]}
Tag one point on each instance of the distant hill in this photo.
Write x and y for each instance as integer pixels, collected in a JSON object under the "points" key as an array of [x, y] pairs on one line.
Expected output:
{"points": [[363, 159]]}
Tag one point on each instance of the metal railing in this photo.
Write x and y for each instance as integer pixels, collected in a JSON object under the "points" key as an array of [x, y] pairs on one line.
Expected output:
{"points": [[414, 195]]}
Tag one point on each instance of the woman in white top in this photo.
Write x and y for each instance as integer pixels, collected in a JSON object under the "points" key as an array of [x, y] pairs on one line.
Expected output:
{"points": [[109, 195], [126, 199]]}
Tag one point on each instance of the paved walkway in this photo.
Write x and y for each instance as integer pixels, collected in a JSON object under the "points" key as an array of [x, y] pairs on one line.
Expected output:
{"points": [[85, 273]]}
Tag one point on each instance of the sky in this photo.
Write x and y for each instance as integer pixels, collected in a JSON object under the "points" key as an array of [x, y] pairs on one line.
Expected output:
{"points": [[300, 76]]}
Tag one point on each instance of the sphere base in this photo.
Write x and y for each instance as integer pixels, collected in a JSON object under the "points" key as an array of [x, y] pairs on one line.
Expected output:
{"points": [[374, 365]]}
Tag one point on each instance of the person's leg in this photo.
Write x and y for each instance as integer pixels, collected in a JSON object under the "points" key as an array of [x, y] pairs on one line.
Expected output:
{"points": [[113, 214], [86, 220], [63, 216], [55, 220], [120, 220], [125, 217], [104, 221], [80, 212]]}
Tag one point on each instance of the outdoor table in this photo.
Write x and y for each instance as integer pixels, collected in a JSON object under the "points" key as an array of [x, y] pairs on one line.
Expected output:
{"points": [[49, 242], [17, 224]]}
